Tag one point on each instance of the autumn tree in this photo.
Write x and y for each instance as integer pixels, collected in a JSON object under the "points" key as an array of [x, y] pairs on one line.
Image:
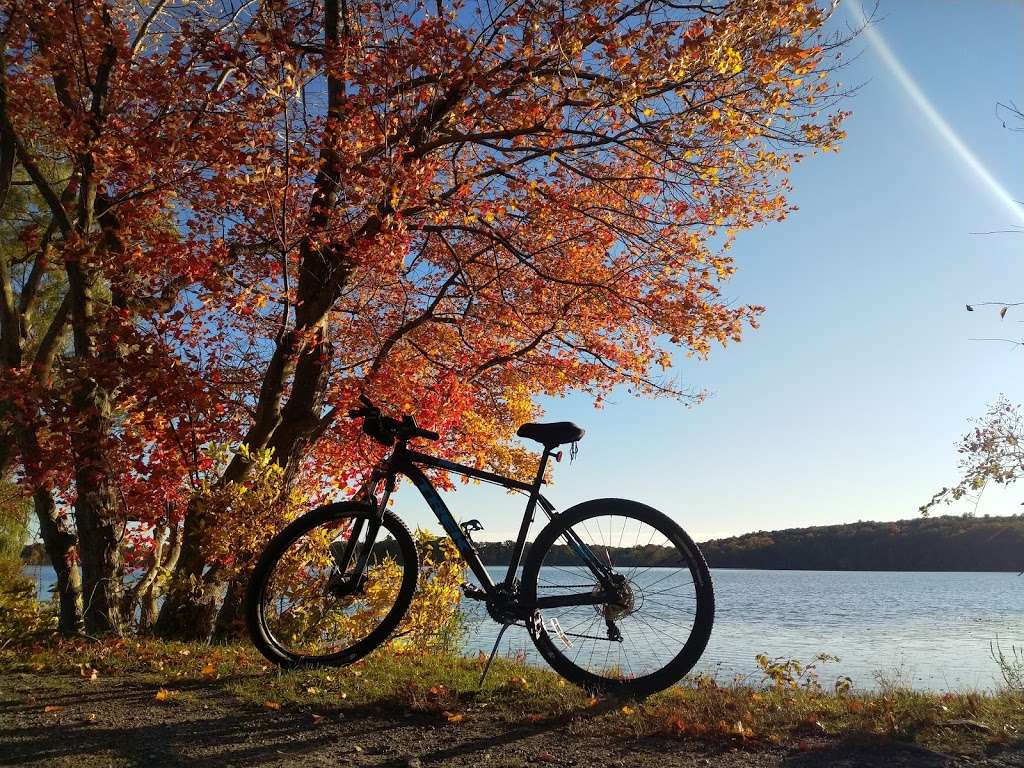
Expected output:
{"points": [[474, 204], [134, 113], [991, 452], [266, 208]]}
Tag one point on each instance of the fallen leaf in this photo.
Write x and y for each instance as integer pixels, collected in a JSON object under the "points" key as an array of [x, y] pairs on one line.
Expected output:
{"points": [[52, 708], [163, 694], [317, 719], [87, 672], [454, 717], [210, 672], [312, 691], [274, 705], [546, 757], [627, 710]]}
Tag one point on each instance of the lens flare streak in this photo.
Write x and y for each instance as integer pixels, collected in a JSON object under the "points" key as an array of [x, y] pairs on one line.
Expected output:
{"points": [[944, 129]]}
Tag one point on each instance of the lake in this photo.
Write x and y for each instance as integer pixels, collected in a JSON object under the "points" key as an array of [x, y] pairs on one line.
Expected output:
{"points": [[925, 630]]}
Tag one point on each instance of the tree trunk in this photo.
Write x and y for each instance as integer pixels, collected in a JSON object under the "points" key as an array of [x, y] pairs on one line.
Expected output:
{"points": [[149, 610], [96, 508], [59, 543], [230, 623], [190, 607], [100, 550]]}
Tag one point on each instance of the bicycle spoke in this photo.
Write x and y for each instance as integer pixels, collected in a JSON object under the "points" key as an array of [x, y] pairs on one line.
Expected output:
{"points": [[656, 607]]}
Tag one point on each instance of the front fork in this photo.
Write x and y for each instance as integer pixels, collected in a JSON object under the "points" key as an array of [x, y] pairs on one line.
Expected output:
{"points": [[344, 583]]}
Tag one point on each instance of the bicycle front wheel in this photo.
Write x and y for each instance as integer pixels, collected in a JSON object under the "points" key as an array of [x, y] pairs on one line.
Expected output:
{"points": [[654, 628], [332, 586]]}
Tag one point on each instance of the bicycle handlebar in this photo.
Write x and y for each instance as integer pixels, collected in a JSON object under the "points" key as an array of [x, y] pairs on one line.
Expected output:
{"points": [[385, 429]]}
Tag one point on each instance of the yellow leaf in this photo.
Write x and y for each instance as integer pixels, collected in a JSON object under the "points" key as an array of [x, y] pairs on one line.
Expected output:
{"points": [[163, 694], [627, 710], [210, 671], [87, 673]]}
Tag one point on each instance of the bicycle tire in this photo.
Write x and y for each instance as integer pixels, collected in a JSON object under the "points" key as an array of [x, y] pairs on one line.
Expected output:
{"points": [[261, 634], [700, 633]]}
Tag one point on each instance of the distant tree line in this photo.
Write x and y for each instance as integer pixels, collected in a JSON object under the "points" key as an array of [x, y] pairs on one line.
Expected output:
{"points": [[946, 543]]}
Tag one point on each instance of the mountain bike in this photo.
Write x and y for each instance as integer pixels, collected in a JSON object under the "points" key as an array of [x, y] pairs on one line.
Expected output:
{"points": [[614, 594]]}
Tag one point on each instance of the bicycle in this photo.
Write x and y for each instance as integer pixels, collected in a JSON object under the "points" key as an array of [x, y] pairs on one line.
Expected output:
{"points": [[628, 619]]}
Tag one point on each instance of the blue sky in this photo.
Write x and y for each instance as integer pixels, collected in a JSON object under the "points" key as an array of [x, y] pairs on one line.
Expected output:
{"points": [[846, 404]]}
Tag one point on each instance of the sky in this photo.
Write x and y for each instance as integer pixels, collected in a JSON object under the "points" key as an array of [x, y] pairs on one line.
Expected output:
{"points": [[847, 402]]}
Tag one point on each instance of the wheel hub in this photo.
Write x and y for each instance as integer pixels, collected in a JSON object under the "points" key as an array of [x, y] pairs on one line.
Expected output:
{"points": [[623, 604]]}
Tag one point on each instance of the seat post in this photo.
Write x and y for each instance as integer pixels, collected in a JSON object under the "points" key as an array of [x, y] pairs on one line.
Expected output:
{"points": [[524, 529], [538, 481]]}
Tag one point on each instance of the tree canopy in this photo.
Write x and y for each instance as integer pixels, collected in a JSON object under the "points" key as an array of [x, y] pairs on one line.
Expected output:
{"points": [[255, 211]]}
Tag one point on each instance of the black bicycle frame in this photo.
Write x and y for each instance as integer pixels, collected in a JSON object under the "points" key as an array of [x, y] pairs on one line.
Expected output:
{"points": [[408, 462]]}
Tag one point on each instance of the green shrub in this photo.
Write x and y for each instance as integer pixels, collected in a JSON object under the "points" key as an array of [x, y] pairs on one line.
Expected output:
{"points": [[21, 613]]}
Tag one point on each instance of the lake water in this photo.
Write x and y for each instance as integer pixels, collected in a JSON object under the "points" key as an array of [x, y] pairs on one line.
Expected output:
{"points": [[925, 630]]}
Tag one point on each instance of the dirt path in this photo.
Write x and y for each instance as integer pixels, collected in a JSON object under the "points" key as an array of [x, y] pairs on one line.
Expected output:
{"points": [[55, 721]]}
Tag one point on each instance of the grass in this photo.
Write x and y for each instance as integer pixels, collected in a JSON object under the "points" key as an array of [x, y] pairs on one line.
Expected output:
{"points": [[785, 711]]}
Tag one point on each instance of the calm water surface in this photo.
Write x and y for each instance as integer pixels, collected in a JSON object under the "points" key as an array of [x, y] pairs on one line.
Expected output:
{"points": [[927, 630]]}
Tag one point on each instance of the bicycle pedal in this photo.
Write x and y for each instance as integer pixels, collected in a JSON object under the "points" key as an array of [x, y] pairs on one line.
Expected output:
{"points": [[473, 592]]}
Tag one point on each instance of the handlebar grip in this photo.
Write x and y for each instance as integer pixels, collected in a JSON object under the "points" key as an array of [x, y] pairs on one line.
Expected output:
{"points": [[428, 434]]}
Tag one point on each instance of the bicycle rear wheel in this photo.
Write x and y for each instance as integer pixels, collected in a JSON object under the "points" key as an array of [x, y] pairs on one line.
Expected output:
{"points": [[658, 624], [306, 604]]}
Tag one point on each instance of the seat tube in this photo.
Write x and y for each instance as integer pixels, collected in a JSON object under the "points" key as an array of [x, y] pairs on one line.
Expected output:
{"points": [[524, 529]]}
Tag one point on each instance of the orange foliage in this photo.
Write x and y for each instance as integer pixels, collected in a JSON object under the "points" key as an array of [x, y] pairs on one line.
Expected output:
{"points": [[455, 207]]}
